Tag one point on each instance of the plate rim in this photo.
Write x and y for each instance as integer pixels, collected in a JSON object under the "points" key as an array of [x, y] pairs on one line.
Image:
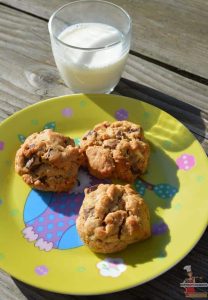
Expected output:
{"points": [[54, 99]]}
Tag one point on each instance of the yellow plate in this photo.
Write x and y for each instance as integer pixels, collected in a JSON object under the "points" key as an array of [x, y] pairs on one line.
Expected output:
{"points": [[38, 240]]}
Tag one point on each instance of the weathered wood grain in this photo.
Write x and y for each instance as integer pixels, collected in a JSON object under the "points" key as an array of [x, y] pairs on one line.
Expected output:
{"points": [[8, 288], [28, 74], [173, 32]]}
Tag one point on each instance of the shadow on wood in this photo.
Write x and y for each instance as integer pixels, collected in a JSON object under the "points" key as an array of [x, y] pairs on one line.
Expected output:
{"points": [[32, 293]]}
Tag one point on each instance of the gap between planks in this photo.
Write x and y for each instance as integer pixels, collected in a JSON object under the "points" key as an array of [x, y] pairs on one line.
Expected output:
{"points": [[164, 65], [35, 77]]}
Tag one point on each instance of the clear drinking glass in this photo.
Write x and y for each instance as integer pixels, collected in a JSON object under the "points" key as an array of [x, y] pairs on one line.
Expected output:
{"points": [[90, 41]]}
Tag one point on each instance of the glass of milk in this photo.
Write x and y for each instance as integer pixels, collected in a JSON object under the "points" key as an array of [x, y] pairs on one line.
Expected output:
{"points": [[90, 41]]}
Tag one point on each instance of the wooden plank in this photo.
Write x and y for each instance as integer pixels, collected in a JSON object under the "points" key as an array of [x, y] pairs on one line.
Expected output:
{"points": [[8, 289], [28, 74], [173, 32]]}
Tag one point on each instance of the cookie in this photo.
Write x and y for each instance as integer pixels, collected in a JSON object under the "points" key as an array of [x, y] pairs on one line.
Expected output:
{"points": [[112, 217], [48, 161], [116, 150]]}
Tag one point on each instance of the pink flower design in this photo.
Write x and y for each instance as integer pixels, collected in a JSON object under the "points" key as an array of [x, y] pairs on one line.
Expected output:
{"points": [[43, 245], [159, 228], [41, 270], [29, 234], [1, 145], [121, 114], [185, 162], [67, 112], [111, 267]]}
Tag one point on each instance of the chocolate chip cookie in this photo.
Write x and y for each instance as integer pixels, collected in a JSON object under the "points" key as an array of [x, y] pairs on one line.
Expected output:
{"points": [[48, 161], [112, 217], [116, 150]]}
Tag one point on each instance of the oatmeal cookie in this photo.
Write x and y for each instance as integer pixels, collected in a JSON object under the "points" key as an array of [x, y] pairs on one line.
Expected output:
{"points": [[112, 217], [48, 161], [116, 150]]}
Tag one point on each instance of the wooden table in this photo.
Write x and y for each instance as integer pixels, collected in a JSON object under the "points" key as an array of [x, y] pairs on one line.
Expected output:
{"points": [[167, 67]]}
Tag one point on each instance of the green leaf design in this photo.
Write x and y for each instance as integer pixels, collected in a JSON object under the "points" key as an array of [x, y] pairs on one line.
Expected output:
{"points": [[50, 125], [140, 187], [77, 141], [165, 191], [21, 138]]}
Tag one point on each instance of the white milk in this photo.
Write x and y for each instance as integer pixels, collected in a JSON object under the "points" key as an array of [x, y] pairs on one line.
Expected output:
{"points": [[91, 70]]}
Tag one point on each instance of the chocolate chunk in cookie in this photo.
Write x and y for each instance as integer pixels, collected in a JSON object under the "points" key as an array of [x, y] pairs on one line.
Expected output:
{"points": [[116, 150], [48, 161], [112, 217]]}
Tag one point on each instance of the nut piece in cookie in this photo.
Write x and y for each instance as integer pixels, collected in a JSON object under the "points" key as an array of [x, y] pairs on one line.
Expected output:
{"points": [[112, 217], [48, 161], [116, 150]]}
